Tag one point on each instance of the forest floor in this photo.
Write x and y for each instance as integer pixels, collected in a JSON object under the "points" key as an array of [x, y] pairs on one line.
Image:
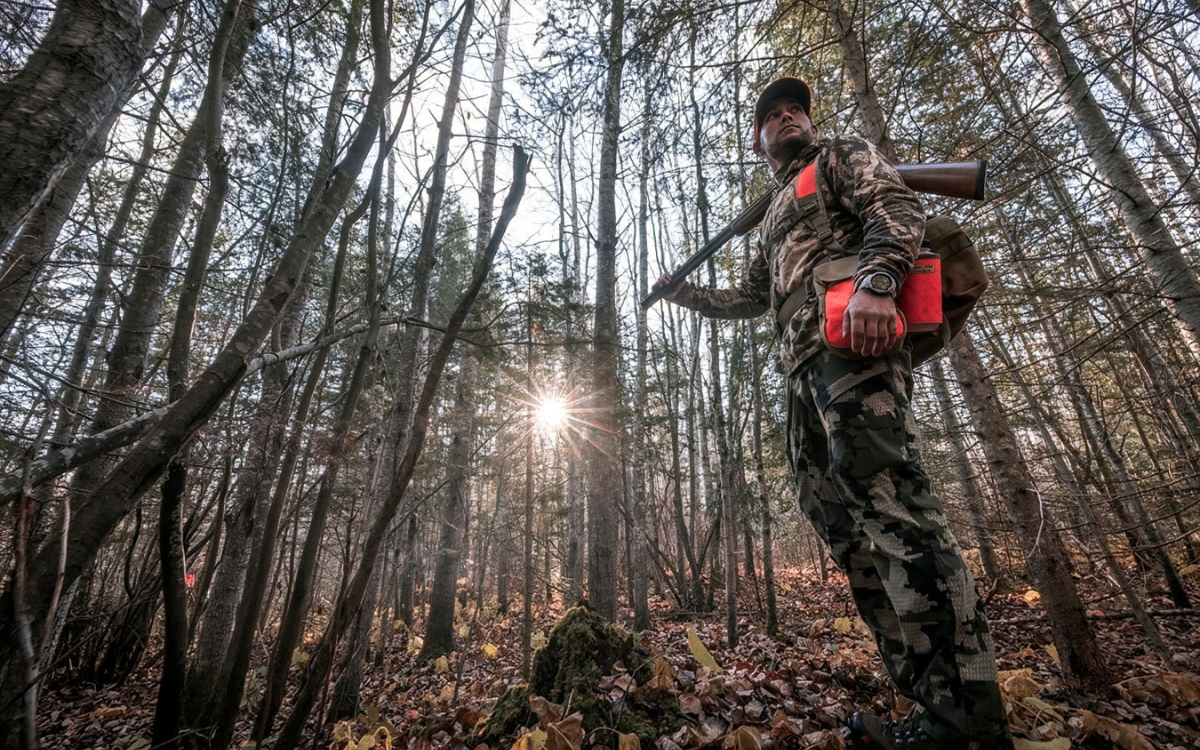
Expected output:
{"points": [[795, 690]]}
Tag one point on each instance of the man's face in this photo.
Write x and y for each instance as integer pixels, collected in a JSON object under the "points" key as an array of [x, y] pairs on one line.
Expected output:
{"points": [[785, 130]]}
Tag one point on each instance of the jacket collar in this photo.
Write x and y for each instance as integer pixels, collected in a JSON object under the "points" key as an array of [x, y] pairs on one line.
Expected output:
{"points": [[802, 159]]}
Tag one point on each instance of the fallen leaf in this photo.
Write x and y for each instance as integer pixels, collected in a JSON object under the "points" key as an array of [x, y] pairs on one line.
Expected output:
{"points": [[547, 713], [489, 651], [842, 625], [746, 738], [1177, 688], [1031, 596], [299, 657], [662, 668], [566, 734], [447, 694], [442, 665], [823, 740], [1053, 652], [700, 652], [628, 742], [1059, 743], [1019, 683], [1124, 735], [1041, 708], [535, 740]]}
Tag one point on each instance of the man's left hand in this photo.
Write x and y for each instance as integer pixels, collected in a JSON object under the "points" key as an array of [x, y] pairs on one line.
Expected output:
{"points": [[870, 322]]}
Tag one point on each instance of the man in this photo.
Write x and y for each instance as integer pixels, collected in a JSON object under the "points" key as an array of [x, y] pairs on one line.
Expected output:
{"points": [[851, 430]]}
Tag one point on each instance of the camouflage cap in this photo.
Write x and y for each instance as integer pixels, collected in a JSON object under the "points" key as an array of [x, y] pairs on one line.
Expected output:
{"points": [[787, 87]]}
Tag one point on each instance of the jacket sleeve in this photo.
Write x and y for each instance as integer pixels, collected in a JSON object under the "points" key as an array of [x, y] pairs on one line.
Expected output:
{"points": [[749, 299], [893, 222]]}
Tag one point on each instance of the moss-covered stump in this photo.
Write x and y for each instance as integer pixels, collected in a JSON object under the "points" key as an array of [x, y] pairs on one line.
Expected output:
{"points": [[586, 667]]}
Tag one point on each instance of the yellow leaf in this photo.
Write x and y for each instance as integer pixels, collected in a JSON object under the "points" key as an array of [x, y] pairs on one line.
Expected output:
{"points": [[1019, 683], [490, 651], [629, 742], [1053, 652], [463, 631], [1188, 570], [535, 740], [842, 625], [1061, 743], [700, 652], [447, 693], [139, 744], [415, 643], [366, 743], [537, 640], [1031, 596], [1042, 708], [442, 665], [108, 713], [299, 657]]}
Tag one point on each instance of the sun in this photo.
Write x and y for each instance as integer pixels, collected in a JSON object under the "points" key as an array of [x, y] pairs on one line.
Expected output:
{"points": [[551, 414]]}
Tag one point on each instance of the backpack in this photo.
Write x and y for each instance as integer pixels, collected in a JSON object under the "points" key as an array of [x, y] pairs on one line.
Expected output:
{"points": [[947, 256]]}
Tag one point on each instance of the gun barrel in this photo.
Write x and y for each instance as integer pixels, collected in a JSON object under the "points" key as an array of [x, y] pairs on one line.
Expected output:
{"points": [[965, 179]]}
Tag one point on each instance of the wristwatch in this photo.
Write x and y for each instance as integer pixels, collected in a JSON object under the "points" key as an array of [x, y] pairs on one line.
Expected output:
{"points": [[879, 283]]}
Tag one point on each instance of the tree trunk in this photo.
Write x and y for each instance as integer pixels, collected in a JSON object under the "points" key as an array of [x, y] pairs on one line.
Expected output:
{"points": [[972, 493], [77, 77], [321, 661], [99, 513], [604, 471], [1079, 654], [1172, 275], [439, 630]]}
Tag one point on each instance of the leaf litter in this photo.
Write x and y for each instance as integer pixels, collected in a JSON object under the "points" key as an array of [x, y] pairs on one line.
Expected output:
{"points": [[794, 691]]}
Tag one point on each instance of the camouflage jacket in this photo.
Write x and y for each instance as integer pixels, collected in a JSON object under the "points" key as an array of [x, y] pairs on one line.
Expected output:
{"points": [[871, 212]]}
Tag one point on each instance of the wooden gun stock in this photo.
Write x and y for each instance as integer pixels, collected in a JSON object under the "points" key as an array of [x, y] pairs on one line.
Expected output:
{"points": [[965, 179], [962, 179]]}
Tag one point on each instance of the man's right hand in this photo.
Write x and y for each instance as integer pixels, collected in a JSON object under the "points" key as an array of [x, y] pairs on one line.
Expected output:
{"points": [[663, 281]]}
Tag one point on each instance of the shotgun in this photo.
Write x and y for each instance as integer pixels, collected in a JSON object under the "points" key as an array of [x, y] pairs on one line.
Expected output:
{"points": [[964, 179]]}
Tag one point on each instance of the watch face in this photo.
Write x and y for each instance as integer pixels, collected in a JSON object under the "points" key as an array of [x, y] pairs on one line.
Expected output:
{"points": [[881, 283]]}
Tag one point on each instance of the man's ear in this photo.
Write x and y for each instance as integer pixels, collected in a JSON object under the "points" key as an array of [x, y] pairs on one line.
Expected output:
{"points": [[815, 128]]}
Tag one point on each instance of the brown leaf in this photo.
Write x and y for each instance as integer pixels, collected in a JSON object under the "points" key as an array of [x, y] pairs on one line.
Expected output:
{"points": [[662, 668], [548, 713], [566, 734], [1124, 735], [823, 740], [1178, 689], [743, 738]]}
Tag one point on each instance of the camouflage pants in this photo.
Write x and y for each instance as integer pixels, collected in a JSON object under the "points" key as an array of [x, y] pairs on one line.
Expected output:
{"points": [[852, 446]]}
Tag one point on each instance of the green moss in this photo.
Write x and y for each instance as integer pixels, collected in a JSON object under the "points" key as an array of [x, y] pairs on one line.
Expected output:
{"points": [[583, 648]]}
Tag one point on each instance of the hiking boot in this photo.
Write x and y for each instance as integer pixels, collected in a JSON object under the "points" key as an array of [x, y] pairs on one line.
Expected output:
{"points": [[868, 731]]}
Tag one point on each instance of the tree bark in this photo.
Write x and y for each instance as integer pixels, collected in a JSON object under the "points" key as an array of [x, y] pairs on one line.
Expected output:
{"points": [[320, 662], [604, 471], [1079, 654], [49, 112], [1172, 275]]}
